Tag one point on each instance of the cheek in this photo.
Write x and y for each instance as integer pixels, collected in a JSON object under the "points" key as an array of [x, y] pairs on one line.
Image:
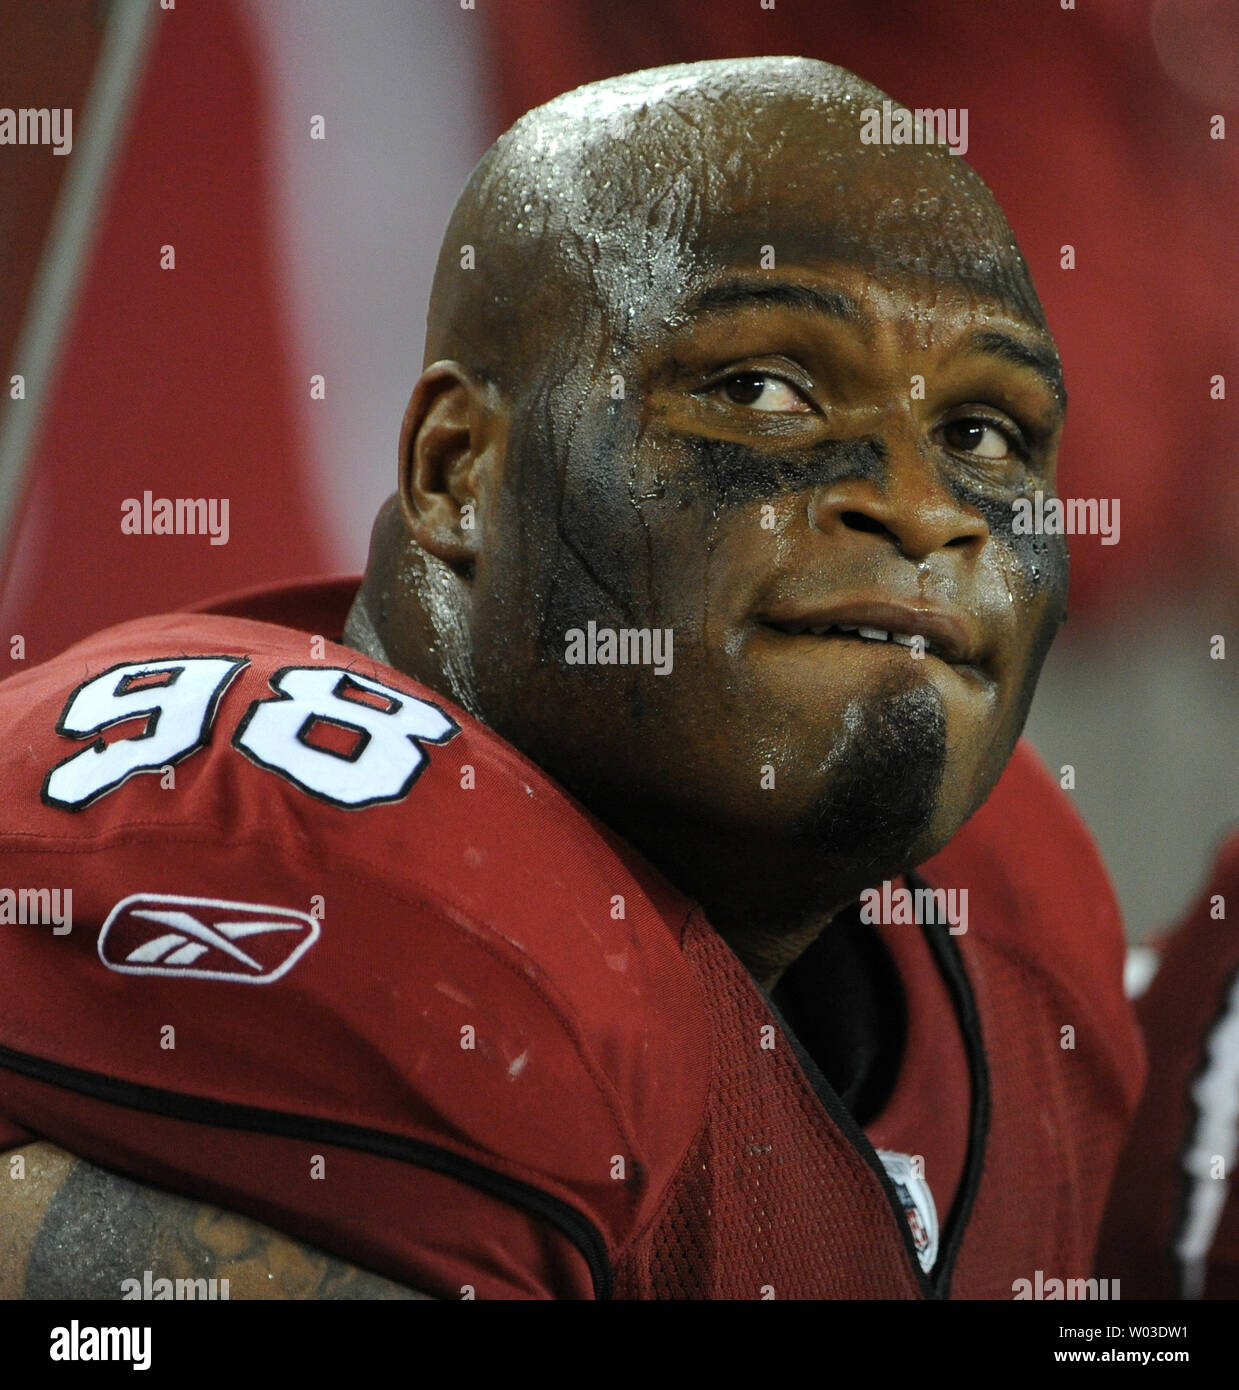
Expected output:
{"points": [[1039, 564], [703, 505], [610, 539], [638, 526], [579, 523]]}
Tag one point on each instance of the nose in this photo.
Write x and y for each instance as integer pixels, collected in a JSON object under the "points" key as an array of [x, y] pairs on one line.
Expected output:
{"points": [[911, 508]]}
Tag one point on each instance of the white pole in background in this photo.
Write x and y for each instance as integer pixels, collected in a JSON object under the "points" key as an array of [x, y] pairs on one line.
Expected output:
{"points": [[75, 220]]}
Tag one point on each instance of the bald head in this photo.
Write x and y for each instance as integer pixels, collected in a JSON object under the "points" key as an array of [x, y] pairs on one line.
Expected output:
{"points": [[599, 212]]}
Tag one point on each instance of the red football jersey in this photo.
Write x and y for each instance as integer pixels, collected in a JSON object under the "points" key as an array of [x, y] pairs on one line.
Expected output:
{"points": [[289, 932], [1172, 1226]]}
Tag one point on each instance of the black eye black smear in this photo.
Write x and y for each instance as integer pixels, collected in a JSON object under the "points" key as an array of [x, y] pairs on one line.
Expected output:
{"points": [[1043, 559], [736, 473]]}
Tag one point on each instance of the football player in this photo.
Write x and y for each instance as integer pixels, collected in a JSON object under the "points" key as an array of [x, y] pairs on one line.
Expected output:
{"points": [[635, 887]]}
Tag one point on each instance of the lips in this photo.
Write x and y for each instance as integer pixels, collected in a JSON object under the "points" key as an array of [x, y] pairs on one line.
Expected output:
{"points": [[947, 634]]}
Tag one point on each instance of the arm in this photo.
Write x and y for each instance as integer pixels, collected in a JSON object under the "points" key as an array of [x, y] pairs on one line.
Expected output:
{"points": [[71, 1230]]}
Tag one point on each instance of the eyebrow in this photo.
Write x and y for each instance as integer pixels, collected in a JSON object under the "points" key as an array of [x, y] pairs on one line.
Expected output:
{"points": [[745, 291], [1042, 360]]}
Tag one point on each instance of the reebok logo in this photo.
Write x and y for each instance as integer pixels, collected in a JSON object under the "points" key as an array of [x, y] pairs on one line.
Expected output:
{"points": [[204, 938]]}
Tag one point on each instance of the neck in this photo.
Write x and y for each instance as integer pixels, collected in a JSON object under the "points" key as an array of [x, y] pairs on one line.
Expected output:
{"points": [[361, 634], [767, 900], [409, 614]]}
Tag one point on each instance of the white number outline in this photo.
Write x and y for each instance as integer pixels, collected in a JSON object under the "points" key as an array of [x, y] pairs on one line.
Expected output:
{"points": [[176, 665], [344, 674], [156, 664]]}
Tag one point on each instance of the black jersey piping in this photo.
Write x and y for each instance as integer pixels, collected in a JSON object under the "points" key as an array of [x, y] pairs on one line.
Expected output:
{"points": [[578, 1229], [950, 963], [935, 1285]]}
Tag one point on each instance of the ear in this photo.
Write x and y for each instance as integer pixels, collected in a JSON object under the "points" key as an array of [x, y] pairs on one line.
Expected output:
{"points": [[451, 442]]}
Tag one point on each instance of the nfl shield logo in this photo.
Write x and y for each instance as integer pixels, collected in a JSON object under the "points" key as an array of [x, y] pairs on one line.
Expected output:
{"points": [[917, 1202]]}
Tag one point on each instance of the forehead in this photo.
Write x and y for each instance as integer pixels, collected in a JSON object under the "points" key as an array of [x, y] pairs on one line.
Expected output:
{"points": [[894, 267], [789, 183], [862, 286], [919, 305], [896, 216]]}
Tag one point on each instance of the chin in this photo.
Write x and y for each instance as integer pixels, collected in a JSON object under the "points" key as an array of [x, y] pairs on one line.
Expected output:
{"points": [[884, 794]]}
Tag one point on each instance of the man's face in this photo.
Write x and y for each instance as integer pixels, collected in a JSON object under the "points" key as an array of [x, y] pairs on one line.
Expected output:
{"points": [[830, 442]]}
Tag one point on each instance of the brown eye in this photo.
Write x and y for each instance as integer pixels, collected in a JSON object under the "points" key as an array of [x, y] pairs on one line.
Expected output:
{"points": [[762, 391], [977, 437]]}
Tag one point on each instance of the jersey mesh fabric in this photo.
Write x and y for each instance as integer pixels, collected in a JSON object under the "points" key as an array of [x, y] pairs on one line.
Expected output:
{"points": [[771, 1199], [1050, 1151]]}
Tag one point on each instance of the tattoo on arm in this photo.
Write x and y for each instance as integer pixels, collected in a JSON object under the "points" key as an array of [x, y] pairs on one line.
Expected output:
{"points": [[100, 1229]]}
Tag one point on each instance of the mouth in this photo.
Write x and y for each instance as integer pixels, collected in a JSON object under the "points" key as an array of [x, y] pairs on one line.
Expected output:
{"points": [[934, 632]]}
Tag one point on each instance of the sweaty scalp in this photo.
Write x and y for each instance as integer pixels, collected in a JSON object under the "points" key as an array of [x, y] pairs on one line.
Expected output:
{"points": [[593, 213]]}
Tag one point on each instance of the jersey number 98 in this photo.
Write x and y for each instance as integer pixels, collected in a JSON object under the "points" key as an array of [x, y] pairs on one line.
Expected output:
{"points": [[177, 701]]}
